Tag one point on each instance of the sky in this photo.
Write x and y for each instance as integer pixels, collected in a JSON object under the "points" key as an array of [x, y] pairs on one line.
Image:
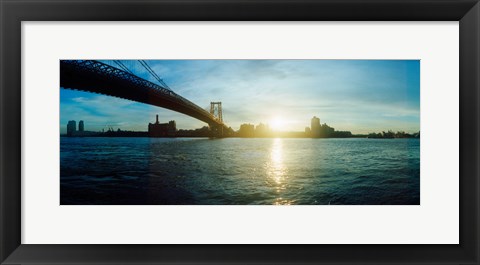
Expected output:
{"points": [[360, 96]]}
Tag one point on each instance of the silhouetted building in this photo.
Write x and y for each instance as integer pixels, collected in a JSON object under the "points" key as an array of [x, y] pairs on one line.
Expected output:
{"points": [[73, 132], [342, 134], [246, 130], [162, 129], [307, 131], [315, 127], [71, 128], [201, 132], [326, 131], [262, 130]]}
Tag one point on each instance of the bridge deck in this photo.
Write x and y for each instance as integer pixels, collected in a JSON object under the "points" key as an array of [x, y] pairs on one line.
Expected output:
{"points": [[97, 77]]}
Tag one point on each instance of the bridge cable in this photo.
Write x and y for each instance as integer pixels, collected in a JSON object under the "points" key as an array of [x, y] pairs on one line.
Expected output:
{"points": [[144, 63], [121, 65], [150, 70]]}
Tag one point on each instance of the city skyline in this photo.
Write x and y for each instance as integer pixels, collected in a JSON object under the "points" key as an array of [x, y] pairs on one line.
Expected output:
{"points": [[360, 96]]}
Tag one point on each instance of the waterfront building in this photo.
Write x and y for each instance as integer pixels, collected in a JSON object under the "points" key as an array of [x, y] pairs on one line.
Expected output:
{"points": [[80, 126], [326, 131], [315, 127], [307, 131], [71, 128], [246, 130], [262, 130], [158, 129]]}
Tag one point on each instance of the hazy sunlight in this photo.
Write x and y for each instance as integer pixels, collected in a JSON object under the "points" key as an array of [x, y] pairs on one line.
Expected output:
{"points": [[277, 123]]}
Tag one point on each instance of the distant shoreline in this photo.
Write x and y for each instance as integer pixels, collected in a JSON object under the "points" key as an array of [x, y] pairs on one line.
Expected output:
{"points": [[269, 137]]}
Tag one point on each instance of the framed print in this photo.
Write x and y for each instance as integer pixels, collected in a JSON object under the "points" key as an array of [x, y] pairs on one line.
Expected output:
{"points": [[239, 132], [167, 186]]}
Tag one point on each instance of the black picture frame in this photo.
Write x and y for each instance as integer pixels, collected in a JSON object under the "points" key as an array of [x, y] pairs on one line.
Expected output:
{"points": [[13, 12]]}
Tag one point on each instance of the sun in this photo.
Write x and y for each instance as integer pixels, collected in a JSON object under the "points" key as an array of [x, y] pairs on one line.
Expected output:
{"points": [[277, 123]]}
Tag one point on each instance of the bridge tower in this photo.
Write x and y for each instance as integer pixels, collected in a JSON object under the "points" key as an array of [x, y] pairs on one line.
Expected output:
{"points": [[216, 107], [216, 111]]}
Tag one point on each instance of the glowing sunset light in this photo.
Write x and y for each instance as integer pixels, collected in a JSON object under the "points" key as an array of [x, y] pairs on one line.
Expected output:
{"points": [[277, 124], [285, 94]]}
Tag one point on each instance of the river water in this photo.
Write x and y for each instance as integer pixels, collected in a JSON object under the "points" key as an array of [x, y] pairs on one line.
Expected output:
{"points": [[201, 171]]}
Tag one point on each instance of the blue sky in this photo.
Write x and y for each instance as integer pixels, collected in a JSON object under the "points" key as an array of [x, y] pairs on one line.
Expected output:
{"points": [[360, 96]]}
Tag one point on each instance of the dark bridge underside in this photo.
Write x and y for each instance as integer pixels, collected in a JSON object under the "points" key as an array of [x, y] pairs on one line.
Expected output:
{"points": [[96, 77]]}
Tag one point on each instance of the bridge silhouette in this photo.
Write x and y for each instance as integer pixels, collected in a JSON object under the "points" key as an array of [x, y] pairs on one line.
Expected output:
{"points": [[97, 77]]}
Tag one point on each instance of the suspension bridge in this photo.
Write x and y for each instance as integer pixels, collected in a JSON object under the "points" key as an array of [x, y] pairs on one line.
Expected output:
{"points": [[98, 77]]}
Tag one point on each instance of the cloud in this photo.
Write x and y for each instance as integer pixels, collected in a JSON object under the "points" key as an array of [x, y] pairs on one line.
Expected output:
{"points": [[351, 94]]}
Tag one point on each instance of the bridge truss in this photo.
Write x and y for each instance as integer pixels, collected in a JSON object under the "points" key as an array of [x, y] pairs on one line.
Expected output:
{"points": [[97, 77]]}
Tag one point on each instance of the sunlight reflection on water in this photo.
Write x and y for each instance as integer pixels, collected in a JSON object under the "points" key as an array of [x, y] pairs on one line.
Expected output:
{"points": [[277, 171], [236, 171]]}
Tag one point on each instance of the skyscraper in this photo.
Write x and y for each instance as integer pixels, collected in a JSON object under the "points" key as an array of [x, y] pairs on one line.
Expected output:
{"points": [[315, 127], [80, 126], [71, 128]]}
